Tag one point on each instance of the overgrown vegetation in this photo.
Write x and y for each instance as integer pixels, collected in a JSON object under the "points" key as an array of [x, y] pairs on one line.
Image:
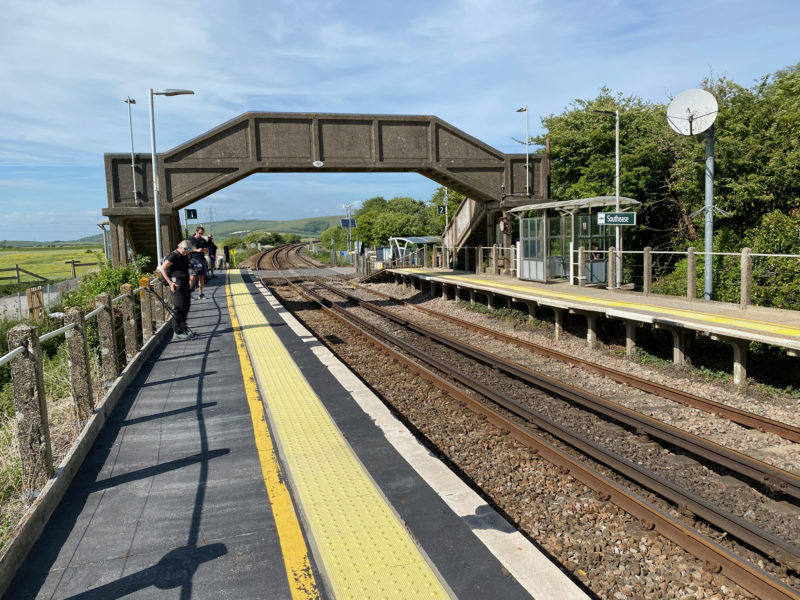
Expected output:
{"points": [[55, 364], [757, 178]]}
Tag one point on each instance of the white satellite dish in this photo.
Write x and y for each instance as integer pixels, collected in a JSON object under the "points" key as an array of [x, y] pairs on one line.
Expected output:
{"points": [[692, 112]]}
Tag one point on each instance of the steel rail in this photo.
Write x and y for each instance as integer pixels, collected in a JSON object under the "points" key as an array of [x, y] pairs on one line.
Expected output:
{"points": [[717, 558], [777, 479], [771, 545], [736, 415]]}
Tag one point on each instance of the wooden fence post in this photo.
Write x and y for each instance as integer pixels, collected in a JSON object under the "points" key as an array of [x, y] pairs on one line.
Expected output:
{"points": [[145, 302], [648, 270], [80, 378], [746, 285], [35, 303], [129, 322], [495, 269], [581, 266], [108, 339], [691, 274], [30, 406]]}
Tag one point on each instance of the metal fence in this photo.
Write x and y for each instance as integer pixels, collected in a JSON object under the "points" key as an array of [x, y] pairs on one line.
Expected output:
{"points": [[123, 324], [744, 278]]}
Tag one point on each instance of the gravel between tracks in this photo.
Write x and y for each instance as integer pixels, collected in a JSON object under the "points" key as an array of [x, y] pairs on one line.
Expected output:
{"points": [[603, 547]]}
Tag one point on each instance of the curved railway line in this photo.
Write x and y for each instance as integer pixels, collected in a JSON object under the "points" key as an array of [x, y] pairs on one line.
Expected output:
{"points": [[604, 445]]}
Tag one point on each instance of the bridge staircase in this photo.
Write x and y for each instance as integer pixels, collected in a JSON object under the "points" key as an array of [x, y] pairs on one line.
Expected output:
{"points": [[466, 230]]}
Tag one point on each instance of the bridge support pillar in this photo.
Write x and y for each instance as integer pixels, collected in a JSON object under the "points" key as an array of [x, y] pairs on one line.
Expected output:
{"points": [[630, 337], [591, 327], [740, 348], [558, 320], [678, 343], [531, 306]]}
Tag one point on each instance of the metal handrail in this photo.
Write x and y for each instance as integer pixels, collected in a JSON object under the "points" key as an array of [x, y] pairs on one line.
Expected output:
{"points": [[55, 332], [9, 356]]}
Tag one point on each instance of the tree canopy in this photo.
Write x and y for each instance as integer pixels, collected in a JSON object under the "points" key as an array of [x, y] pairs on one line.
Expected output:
{"points": [[757, 163]]}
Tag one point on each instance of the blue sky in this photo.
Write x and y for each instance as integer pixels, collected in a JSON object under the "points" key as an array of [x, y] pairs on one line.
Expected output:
{"points": [[67, 66]]}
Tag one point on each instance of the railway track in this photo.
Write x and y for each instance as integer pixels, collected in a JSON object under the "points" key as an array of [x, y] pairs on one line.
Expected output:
{"points": [[518, 419], [747, 419]]}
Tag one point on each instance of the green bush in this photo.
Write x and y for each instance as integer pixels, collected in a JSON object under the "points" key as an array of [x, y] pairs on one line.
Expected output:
{"points": [[108, 279]]}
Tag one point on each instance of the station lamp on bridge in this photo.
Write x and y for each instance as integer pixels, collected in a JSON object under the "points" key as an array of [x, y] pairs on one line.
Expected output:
{"points": [[527, 153], [168, 92]]}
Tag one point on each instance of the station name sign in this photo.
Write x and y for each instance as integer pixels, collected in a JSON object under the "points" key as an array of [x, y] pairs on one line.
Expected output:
{"points": [[616, 218], [348, 223]]}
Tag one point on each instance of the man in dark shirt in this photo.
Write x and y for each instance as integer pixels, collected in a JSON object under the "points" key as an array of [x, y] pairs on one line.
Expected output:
{"points": [[197, 260], [212, 255], [175, 271]]}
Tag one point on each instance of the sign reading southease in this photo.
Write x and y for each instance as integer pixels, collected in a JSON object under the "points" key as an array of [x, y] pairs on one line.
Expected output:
{"points": [[616, 218]]}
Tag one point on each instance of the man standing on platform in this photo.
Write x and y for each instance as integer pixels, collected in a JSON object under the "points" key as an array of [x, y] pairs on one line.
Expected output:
{"points": [[197, 260], [212, 255], [175, 271]]}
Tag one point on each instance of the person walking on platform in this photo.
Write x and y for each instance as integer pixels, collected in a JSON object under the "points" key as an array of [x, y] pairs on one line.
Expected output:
{"points": [[212, 255], [175, 272], [197, 260]]}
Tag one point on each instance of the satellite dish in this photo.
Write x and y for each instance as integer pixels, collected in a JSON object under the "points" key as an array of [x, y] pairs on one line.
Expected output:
{"points": [[692, 112]]}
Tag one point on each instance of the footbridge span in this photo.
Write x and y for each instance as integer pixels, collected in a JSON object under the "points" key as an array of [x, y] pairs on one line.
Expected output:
{"points": [[264, 142]]}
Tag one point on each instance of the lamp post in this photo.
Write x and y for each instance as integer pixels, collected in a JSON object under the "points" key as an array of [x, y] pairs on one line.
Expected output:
{"points": [[169, 92], [527, 154], [347, 208], [130, 101], [617, 236]]}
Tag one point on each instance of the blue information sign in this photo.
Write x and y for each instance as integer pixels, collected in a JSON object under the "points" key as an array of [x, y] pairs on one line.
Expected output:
{"points": [[349, 223]]}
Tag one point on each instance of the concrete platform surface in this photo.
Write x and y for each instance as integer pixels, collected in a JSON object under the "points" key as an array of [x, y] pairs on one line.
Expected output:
{"points": [[173, 500]]}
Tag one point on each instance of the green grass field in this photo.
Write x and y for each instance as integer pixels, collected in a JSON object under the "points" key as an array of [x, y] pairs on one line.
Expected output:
{"points": [[47, 262]]}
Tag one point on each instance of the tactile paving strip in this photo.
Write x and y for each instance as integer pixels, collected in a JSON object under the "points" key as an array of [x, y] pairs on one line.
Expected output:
{"points": [[751, 324], [365, 550]]}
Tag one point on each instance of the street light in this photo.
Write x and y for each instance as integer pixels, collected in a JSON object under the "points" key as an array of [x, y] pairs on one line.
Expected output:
{"points": [[617, 236], [527, 155], [169, 92], [130, 101]]}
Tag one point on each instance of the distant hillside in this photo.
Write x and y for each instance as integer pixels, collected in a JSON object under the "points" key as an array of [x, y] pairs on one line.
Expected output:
{"points": [[302, 227], [311, 227]]}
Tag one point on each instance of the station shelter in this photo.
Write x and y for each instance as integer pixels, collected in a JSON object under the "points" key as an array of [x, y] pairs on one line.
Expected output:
{"points": [[409, 246], [550, 239]]}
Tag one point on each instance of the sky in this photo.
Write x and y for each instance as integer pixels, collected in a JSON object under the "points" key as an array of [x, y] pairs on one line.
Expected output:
{"points": [[67, 67]]}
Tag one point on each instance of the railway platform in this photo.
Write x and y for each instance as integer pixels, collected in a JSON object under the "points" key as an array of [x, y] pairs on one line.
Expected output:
{"points": [[249, 463], [679, 316]]}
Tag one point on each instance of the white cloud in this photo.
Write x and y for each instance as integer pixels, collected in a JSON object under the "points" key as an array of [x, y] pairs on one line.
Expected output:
{"points": [[469, 62]]}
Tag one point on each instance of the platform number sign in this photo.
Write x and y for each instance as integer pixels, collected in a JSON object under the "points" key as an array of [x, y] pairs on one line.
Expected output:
{"points": [[191, 213], [441, 209]]}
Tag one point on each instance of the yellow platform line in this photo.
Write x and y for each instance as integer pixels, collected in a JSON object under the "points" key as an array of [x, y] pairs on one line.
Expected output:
{"points": [[762, 326], [302, 584], [364, 548]]}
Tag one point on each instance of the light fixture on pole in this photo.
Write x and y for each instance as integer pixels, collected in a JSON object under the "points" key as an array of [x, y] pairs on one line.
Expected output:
{"points": [[347, 208], [527, 153], [151, 93], [692, 112], [618, 232], [130, 101]]}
